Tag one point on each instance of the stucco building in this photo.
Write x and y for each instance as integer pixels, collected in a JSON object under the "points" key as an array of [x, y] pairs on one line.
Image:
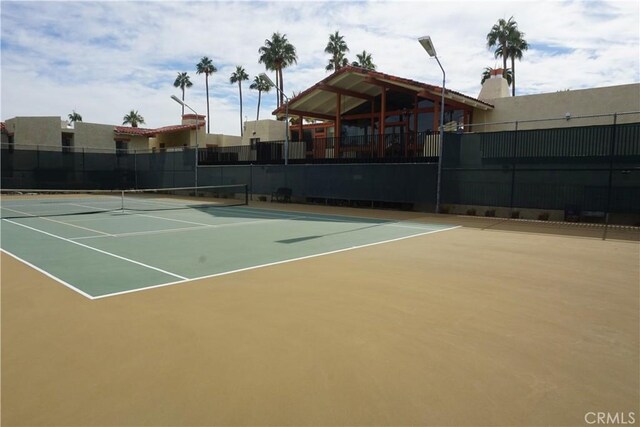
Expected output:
{"points": [[55, 134], [352, 113]]}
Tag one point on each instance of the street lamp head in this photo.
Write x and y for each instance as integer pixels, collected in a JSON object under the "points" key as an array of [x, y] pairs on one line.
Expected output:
{"points": [[266, 78], [427, 44], [178, 100]]}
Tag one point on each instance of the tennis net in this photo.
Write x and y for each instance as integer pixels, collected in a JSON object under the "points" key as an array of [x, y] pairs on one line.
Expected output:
{"points": [[20, 203]]}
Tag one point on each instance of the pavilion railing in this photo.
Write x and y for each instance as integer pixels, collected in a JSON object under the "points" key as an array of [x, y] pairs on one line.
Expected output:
{"points": [[407, 147]]}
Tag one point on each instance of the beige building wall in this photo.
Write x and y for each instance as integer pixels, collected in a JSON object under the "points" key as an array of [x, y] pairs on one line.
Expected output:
{"points": [[137, 143], [94, 135], [265, 130], [221, 140], [172, 140], [583, 102], [45, 132]]}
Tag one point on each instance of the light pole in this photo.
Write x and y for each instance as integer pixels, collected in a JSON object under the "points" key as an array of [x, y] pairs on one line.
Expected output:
{"points": [[195, 167], [286, 117], [427, 44]]}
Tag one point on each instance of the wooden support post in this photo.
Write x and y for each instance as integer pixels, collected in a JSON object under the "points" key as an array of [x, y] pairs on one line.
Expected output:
{"points": [[415, 125], [301, 136], [338, 133], [436, 116], [383, 112], [372, 134]]}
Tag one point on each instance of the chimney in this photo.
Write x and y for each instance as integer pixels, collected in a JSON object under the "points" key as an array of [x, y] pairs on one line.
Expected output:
{"points": [[190, 119], [494, 87]]}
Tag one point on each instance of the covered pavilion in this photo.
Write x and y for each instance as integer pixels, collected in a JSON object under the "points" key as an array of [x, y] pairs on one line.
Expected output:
{"points": [[365, 113]]}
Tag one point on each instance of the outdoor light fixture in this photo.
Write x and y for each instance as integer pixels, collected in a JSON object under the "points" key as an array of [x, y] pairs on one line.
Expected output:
{"points": [[427, 44], [195, 167], [286, 117]]}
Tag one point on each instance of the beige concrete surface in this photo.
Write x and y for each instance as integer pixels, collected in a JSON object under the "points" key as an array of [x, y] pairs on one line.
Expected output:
{"points": [[474, 326]]}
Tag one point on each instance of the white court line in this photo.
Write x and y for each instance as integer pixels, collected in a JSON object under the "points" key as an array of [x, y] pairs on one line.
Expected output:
{"points": [[326, 217], [254, 267], [114, 208], [59, 222], [166, 219], [412, 227], [141, 233], [98, 250], [183, 229], [49, 275]]}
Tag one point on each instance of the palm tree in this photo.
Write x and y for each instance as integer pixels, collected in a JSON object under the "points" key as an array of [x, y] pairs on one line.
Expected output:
{"points": [[182, 81], [206, 67], [486, 74], [336, 47], [261, 85], [364, 61], [74, 117], [239, 76], [516, 45], [277, 54], [133, 118], [498, 37]]}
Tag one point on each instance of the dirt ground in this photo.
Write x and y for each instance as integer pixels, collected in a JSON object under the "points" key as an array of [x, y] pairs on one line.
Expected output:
{"points": [[494, 323]]}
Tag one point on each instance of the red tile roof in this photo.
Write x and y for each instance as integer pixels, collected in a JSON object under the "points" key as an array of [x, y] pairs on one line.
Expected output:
{"points": [[128, 130]]}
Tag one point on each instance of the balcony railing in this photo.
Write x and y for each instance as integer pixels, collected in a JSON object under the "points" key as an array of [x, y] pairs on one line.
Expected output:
{"points": [[407, 147]]}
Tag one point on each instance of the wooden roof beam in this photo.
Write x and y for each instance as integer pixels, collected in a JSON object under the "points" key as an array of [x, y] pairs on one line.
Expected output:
{"points": [[307, 114], [450, 99], [334, 89], [387, 85]]}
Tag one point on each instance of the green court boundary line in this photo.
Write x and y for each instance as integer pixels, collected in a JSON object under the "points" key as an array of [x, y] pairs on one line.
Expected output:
{"points": [[254, 267]]}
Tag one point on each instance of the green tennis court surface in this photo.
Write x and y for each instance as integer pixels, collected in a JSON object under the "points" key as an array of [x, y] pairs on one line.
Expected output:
{"points": [[118, 251]]}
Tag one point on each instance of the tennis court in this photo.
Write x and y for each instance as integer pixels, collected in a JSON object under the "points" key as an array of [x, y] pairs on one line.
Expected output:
{"points": [[100, 246], [287, 314]]}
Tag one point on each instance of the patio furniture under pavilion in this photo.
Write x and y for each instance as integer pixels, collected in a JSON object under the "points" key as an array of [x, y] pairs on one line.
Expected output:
{"points": [[369, 114]]}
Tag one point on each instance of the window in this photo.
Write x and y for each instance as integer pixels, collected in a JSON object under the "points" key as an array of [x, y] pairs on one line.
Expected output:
{"points": [[122, 148], [67, 143], [253, 142]]}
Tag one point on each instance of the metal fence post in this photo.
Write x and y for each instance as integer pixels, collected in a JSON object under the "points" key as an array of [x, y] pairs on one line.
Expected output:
{"points": [[513, 168], [135, 169], [612, 153]]}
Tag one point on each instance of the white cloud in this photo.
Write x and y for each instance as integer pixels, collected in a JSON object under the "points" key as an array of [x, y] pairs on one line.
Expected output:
{"points": [[105, 58]]}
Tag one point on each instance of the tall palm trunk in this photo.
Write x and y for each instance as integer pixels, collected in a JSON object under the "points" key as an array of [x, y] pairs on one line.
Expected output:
{"points": [[206, 81], [277, 85], [258, 114], [183, 101], [281, 87], [513, 76], [240, 89], [504, 66]]}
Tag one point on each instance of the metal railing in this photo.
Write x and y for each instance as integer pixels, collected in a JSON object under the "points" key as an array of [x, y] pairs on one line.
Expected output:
{"points": [[392, 147]]}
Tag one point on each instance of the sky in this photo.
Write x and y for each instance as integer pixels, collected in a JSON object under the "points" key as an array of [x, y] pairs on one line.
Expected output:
{"points": [[103, 59]]}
